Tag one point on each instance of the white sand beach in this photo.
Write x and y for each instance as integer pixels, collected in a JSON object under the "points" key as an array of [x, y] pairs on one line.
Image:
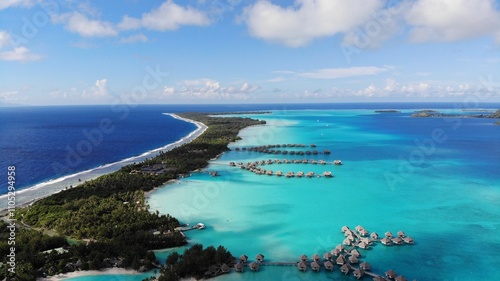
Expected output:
{"points": [[74, 274]]}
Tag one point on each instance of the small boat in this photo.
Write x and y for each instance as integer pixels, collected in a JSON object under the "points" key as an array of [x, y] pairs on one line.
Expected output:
{"points": [[200, 226]]}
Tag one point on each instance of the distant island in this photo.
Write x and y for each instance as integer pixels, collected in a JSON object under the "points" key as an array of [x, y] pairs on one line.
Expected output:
{"points": [[387, 111], [434, 113]]}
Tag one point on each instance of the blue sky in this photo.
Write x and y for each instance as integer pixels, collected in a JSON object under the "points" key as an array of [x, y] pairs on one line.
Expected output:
{"points": [[55, 52]]}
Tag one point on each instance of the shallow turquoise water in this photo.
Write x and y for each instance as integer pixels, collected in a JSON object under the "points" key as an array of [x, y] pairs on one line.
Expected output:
{"points": [[435, 179]]}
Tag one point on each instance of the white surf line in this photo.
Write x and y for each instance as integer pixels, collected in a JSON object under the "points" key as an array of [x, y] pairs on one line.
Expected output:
{"points": [[38, 191]]}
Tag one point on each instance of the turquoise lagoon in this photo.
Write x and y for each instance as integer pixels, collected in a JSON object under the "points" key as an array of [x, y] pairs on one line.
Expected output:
{"points": [[435, 179]]}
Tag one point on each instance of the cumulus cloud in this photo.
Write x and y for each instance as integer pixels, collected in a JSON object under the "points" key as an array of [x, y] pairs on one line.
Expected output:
{"points": [[335, 73], [5, 38], [452, 20], [306, 20], [78, 23], [169, 16], [21, 54], [98, 91], [4, 4], [134, 38], [208, 89]]}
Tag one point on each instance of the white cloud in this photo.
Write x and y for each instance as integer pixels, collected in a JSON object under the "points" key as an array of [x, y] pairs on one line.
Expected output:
{"points": [[80, 24], [306, 20], [134, 38], [169, 16], [452, 20], [208, 89], [21, 54], [5, 38], [99, 91], [335, 73], [4, 4]]}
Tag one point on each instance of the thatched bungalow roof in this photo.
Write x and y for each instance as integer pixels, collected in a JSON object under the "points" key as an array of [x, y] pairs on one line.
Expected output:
{"points": [[408, 240], [401, 234], [303, 257], [365, 266], [328, 265], [374, 235], [391, 273], [340, 260], [388, 234], [340, 247], [358, 273], [355, 253], [363, 232], [348, 232], [353, 259], [362, 245], [243, 258], [254, 266], [315, 266], [400, 278], [345, 269], [327, 256], [359, 228], [397, 240], [259, 257], [379, 278], [386, 241], [347, 242], [302, 266], [316, 257], [238, 267], [335, 252], [224, 268]]}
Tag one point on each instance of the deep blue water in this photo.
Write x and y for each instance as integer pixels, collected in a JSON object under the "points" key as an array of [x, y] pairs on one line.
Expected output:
{"points": [[49, 142]]}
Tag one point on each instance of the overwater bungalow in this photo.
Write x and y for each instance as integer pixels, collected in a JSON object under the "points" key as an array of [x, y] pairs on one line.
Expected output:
{"points": [[379, 278], [326, 151], [259, 257], [408, 240], [299, 174], [327, 256], [238, 267], [355, 253], [313, 145], [363, 232], [224, 268], [279, 173], [315, 266], [243, 258], [315, 257], [305, 161], [347, 242], [327, 174], [374, 235], [350, 237], [391, 274], [359, 228], [302, 266], [289, 175], [322, 162], [232, 164], [310, 174], [314, 162], [358, 273], [366, 240], [315, 152], [340, 247], [303, 258], [388, 234], [328, 265], [386, 241], [397, 241], [401, 234], [337, 162], [362, 245], [269, 172], [400, 278], [344, 228], [345, 269], [353, 259], [348, 232], [340, 260], [365, 266], [254, 266], [335, 252]]}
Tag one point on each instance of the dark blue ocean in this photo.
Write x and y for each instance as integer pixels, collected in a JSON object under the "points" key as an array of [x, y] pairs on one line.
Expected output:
{"points": [[46, 143]]}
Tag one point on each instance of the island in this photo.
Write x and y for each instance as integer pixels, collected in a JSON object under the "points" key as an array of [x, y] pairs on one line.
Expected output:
{"points": [[106, 222], [434, 113], [387, 111]]}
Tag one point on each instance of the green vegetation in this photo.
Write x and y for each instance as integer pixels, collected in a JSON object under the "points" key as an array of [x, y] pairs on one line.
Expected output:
{"points": [[196, 262], [110, 213]]}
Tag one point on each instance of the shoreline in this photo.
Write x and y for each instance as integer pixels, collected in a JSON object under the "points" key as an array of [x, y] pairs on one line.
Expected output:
{"points": [[30, 195], [82, 273]]}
